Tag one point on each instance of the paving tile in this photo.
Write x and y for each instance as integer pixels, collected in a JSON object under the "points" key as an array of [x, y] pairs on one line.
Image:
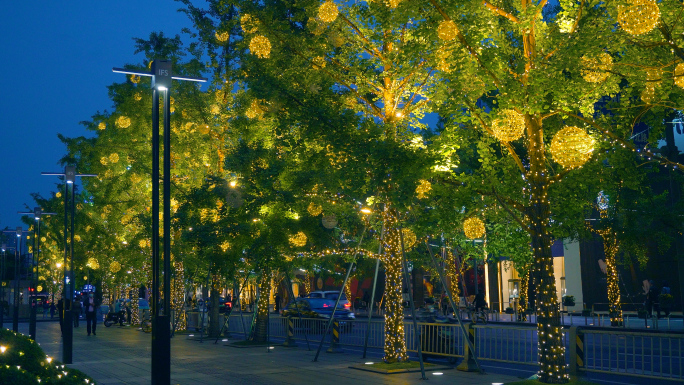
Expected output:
{"points": [[122, 356]]}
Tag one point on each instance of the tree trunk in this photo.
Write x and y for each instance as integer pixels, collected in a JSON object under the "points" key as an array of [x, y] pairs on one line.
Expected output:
{"points": [[260, 329], [551, 348], [214, 324], [395, 342], [524, 298], [552, 368], [610, 247]]}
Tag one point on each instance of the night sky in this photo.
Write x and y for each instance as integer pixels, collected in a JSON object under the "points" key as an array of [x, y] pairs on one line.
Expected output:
{"points": [[57, 59]]}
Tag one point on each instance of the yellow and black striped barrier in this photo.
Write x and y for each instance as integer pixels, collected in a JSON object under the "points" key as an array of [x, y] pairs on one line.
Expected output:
{"points": [[576, 338], [335, 338], [289, 341], [468, 364]]}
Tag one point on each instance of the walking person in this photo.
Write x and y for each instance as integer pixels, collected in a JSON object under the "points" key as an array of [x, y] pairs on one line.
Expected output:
{"points": [[76, 308], [652, 298], [61, 306], [53, 309], [664, 303], [91, 312]]}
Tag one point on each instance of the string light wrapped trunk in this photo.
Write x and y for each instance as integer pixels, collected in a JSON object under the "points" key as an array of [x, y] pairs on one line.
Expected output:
{"points": [[262, 307], [551, 349], [611, 248], [395, 341]]}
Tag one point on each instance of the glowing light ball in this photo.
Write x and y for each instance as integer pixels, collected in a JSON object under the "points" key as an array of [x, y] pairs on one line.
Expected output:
{"points": [[298, 240], [114, 158], [260, 46], [248, 23], [509, 126], [102, 125], [114, 267], [328, 12], [679, 75], [123, 122], [410, 238], [222, 37], [447, 30], [314, 209], [640, 17], [571, 147], [596, 68], [474, 228]]}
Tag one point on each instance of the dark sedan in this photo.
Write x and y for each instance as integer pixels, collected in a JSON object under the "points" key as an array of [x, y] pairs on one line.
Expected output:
{"points": [[318, 308]]}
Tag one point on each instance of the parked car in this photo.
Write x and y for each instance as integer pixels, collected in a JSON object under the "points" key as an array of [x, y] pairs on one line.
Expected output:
{"points": [[331, 295], [319, 308]]}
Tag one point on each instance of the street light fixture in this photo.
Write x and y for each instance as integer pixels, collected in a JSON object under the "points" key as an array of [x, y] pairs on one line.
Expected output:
{"points": [[37, 214], [69, 175], [162, 76]]}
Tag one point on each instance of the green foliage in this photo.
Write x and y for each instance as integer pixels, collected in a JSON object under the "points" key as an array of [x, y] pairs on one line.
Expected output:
{"points": [[24, 362]]}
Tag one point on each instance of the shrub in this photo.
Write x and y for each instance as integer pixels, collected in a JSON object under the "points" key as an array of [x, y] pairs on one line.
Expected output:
{"points": [[24, 362]]}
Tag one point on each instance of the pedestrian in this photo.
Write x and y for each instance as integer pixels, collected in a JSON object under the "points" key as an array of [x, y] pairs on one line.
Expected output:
{"points": [[664, 305], [277, 303], [652, 298], [90, 306], [62, 305], [76, 308], [53, 309], [143, 309], [46, 308], [128, 311]]}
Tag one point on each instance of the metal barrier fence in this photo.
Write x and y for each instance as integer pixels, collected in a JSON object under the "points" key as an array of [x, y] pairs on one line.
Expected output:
{"points": [[617, 351], [652, 354]]}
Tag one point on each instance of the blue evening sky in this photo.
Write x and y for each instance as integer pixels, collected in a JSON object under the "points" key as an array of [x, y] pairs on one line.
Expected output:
{"points": [[57, 59]]}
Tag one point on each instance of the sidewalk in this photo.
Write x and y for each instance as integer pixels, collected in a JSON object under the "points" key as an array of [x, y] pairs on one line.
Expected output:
{"points": [[122, 356]]}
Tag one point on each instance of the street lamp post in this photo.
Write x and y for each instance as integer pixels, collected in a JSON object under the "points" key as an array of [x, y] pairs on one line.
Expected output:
{"points": [[2, 285], [37, 214], [17, 255], [69, 175], [162, 76]]}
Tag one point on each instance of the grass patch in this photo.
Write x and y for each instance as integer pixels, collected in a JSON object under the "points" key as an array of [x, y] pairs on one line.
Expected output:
{"points": [[398, 365]]}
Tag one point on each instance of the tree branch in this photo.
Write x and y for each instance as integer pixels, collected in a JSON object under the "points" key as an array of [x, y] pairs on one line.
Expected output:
{"points": [[465, 44], [489, 130], [501, 12]]}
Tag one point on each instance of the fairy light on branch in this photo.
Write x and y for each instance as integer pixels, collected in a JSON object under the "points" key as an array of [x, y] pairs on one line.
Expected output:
{"points": [[423, 189], [596, 68], [649, 94]]}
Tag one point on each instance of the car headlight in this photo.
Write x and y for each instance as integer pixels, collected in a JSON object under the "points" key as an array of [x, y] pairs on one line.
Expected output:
{"points": [[351, 315], [324, 315]]}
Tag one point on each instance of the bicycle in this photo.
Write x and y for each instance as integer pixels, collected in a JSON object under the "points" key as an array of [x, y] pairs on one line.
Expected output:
{"points": [[146, 322], [477, 315]]}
